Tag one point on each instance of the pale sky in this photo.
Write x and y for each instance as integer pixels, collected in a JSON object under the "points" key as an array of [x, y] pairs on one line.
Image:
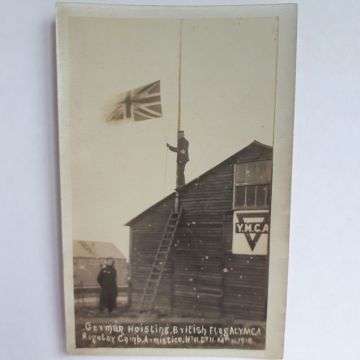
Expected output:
{"points": [[121, 168]]}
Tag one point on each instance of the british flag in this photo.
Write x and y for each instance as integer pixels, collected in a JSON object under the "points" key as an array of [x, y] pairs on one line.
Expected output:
{"points": [[142, 103]]}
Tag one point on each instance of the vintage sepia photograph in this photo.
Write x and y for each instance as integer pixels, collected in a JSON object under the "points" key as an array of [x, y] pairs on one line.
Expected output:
{"points": [[175, 138]]}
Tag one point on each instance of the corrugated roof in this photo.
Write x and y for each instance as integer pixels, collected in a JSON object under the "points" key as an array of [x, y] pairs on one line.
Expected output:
{"points": [[254, 145], [96, 249]]}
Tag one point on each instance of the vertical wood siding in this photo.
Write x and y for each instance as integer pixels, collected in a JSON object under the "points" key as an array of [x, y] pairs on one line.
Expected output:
{"points": [[202, 278]]}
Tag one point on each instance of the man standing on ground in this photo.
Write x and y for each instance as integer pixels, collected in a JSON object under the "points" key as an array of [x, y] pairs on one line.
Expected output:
{"points": [[107, 280]]}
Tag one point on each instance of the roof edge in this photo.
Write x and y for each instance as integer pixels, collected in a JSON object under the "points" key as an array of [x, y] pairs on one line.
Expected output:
{"points": [[254, 142], [107, 243], [129, 223]]}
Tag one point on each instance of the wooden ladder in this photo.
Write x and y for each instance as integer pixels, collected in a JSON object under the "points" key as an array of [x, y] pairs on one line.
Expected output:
{"points": [[158, 266]]}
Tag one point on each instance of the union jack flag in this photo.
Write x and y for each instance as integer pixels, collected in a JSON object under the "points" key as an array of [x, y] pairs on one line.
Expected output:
{"points": [[142, 103]]}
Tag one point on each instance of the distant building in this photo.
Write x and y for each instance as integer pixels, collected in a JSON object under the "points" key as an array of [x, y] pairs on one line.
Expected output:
{"points": [[89, 257], [210, 258]]}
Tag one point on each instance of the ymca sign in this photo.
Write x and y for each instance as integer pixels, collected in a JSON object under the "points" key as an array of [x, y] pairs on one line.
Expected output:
{"points": [[251, 230]]}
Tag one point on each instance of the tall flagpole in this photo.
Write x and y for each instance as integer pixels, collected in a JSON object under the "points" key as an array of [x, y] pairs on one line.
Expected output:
{"points": [[179, 76], [179, 111]]}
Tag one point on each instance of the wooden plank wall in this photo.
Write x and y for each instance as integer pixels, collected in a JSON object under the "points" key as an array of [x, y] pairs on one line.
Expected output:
{"points": [[203, 278], [245, 286], [198, 262], [210, 195], [145, 239], [198, 276], [245, 280]]}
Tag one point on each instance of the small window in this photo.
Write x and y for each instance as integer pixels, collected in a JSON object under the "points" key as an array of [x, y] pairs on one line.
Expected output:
{"points": [[252, 185], [262, 195], [253, 173], [250, 195], [240, 195]]}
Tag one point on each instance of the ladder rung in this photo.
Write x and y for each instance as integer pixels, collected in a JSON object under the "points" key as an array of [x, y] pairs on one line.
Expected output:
{"points": [[155, 276], [158, 269], [165, 249], [149, 291], [157, 266], [161, 258]]}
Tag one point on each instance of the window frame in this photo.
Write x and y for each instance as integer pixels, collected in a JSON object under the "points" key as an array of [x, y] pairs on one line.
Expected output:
{"points": [[246, 185]]}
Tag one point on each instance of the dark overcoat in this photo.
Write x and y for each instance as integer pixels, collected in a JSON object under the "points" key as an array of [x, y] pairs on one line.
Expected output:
{"points": [[107, 281]]}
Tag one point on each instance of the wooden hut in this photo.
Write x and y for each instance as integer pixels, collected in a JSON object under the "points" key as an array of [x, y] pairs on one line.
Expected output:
{"points": [[210, 258]]}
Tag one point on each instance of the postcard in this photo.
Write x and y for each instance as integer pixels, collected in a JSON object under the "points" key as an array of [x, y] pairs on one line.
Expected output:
{"points": [[175, 142]]}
